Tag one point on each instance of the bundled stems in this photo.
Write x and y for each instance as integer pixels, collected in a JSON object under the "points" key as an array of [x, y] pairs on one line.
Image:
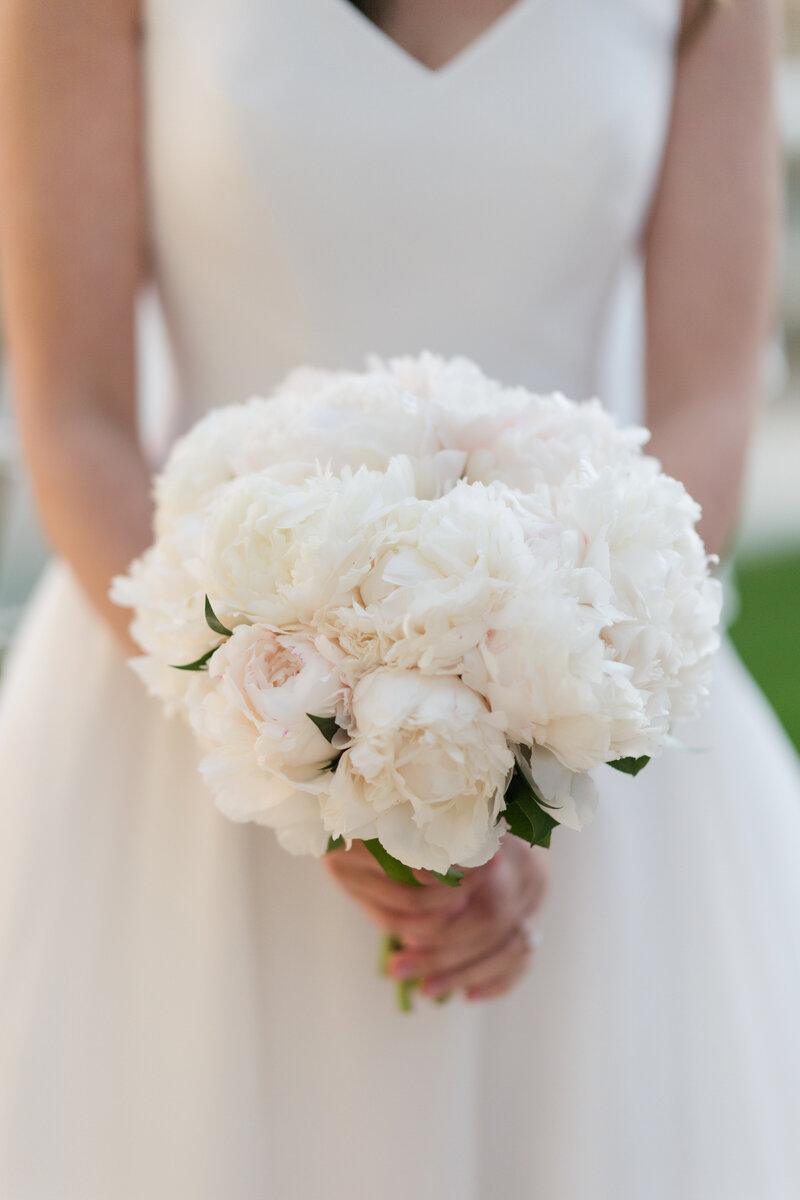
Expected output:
{"points": [[404, 988]]}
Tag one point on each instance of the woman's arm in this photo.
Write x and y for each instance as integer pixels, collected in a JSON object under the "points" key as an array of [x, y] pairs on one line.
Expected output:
{"points": [[710, 259], [71, 228]]}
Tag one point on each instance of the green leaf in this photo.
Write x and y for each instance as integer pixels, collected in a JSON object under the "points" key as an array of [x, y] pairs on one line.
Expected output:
{"points": [[334, 844], [396, 870], [518, 823], [451, 877], [199, 664], [326, 725], [630, 766], [542, 826], [525, 817], [213, 621]]}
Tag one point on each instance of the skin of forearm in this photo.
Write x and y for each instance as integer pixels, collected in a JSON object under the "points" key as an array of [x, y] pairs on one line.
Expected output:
{"points": [[72, 232], [704, 444], [93, 492], [710, 250]]}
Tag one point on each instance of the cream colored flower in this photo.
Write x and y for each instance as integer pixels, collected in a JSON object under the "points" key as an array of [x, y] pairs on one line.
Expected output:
{"points": [[643, 553], [441, 570], [265, 755], [618, 644], [570, 797], [276, 551], [551, 438], [353, 420], [212, 453], [468, 410], [165, 587], [425, 773]]}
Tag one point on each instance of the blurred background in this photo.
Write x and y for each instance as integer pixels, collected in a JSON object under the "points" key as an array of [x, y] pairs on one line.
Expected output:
{"points": [[766, 627]]}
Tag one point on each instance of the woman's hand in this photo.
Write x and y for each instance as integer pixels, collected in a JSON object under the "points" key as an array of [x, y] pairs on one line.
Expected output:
{"points": [[473, 938]]}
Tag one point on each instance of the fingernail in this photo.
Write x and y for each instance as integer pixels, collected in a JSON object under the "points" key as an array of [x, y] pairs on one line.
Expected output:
{"points": [[416, 943], [435, 987], [398, 969], [479, 994]]}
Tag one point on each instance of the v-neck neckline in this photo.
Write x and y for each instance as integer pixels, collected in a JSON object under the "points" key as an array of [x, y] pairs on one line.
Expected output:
{"points": [[479, 45]]}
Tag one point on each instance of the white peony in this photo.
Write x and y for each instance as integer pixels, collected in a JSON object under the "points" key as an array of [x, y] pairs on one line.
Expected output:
{"points": [[266, 757], [551, 438], [165, 588], [441, 570], [212, 453], [542, 667], [244, 793], [620, 644], [643, 552], [277, 551], [315, 419], [468, 409], [336, 420], [354, 420], [425, 773], [271, 682], [570, 797]]}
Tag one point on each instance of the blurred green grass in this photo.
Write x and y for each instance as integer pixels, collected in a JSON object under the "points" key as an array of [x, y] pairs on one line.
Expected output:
{"points": [[767, 631]]}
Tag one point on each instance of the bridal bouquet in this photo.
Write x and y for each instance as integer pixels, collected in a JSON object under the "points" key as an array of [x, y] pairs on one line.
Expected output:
{"points": [[414, 607]]}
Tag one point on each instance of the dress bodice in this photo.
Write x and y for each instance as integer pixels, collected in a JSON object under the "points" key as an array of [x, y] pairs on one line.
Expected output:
{"points": [[317, 194]]}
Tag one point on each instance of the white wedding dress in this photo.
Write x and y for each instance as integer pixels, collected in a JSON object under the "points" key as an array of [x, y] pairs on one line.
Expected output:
{"points": [[187, 1012]]}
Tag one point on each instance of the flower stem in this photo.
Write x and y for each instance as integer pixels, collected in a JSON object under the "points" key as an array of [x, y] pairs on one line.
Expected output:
{"points": [[405, 989]]}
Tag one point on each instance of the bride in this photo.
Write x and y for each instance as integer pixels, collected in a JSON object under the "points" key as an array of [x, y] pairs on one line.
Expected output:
{"points": [[185, 1010]]}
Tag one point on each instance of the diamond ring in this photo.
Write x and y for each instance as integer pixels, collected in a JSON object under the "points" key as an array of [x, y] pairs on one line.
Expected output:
{"points": [[532, 938]]}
